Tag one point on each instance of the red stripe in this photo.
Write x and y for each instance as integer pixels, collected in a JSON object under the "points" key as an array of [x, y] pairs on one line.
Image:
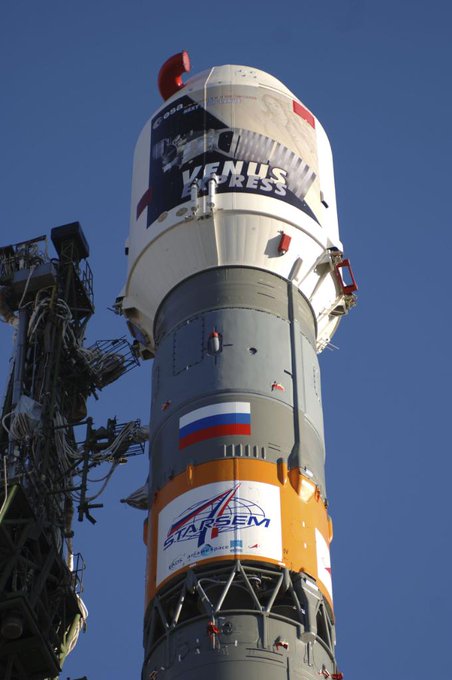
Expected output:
{"points": [[216, 431], [144, 201], [304, 113], [214, 532]]}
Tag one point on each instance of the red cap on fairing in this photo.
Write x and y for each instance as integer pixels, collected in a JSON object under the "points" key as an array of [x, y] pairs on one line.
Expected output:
{"points": [[170, 75]]}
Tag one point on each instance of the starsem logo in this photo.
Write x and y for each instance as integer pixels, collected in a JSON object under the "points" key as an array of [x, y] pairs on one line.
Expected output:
{"points": [[219, 519], [204, 521]]}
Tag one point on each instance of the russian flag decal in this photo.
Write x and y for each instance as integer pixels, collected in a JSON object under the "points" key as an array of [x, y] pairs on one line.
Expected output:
{"points": [[216, 420]]}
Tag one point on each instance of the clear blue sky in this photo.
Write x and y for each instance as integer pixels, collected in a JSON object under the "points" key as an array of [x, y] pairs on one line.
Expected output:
{"points": [[77, 82]]}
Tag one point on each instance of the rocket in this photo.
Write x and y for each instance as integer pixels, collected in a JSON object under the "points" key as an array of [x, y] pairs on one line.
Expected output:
{"points": [[236, 282]]}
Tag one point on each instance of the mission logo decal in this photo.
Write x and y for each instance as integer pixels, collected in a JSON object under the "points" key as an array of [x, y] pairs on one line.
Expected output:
{"points": [[215, 420], [222, 518], [190, 146]]}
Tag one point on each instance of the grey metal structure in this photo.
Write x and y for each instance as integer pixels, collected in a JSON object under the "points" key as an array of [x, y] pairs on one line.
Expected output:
{"points": [[44, 469], [255, 313]]}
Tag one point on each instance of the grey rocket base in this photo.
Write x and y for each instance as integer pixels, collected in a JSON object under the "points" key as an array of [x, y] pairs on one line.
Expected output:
{"points": [[242, 336]]}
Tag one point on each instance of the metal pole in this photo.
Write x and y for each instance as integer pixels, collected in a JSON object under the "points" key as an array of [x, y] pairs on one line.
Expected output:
{"points": [[19, 362], [20, 355]]}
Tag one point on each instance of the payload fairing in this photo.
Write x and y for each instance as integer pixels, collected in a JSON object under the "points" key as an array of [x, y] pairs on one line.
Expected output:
{"points": [[236, 280]]}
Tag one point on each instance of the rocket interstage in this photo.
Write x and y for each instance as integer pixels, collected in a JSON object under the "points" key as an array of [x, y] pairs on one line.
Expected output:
{"points": [[236, 281]]}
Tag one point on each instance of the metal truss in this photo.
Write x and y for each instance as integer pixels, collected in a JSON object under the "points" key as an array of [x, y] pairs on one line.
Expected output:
{"points": [[239, 589], [39, 606]]}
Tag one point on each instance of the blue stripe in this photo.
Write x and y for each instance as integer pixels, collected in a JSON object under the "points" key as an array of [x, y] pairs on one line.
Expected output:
{"points": [[211, 421]]}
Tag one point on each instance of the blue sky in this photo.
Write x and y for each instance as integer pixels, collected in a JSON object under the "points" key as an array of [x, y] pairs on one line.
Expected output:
{"points": [[77, 82]]}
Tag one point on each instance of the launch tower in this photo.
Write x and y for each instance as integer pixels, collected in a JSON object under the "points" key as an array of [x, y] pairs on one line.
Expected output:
{"points": [[45, 458]]}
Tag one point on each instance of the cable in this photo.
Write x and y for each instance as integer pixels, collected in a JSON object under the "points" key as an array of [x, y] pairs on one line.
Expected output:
{"points": [[7, 415], [5, 483]]}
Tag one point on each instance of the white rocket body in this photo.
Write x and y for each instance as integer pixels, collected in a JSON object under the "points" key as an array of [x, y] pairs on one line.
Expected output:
{"points": [[235, 282], [271, 170]]}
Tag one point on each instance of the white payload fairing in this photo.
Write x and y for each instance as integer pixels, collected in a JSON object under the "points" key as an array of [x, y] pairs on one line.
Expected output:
{"points": [[236, 280]]}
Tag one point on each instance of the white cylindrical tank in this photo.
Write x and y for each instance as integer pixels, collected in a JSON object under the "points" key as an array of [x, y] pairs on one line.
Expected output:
{"points": [[233, 170]]}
